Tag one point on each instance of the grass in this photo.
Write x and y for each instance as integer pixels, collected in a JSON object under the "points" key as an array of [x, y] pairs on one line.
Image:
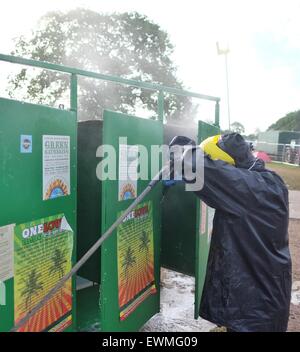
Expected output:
{"points": [[289, 173], [218, 329]]}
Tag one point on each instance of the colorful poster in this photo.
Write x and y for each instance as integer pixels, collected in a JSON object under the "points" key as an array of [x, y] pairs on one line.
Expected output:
{"points": [[135, 259], [203, 218], [128, 171], [211, 214], [43, 255], [26, 144], [6, 252], [56, 166], [2, 294]]}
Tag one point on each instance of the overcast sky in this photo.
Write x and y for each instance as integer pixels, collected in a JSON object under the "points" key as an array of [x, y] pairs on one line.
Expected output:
{"points": [[263, 37]]}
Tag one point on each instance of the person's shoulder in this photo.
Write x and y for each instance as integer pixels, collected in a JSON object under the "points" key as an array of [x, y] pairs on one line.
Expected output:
{"points": [[274, 180], [273, 175]]}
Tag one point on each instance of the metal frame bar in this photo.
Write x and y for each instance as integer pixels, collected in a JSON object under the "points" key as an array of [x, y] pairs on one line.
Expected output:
{"points": [[74, 72]]}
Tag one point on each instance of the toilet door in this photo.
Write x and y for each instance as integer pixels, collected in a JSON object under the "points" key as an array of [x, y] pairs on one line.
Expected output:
{"points": [[130, 264]]}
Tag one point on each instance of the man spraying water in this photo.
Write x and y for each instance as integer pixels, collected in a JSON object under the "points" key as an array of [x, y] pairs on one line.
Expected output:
{"points": [[248, 281]]}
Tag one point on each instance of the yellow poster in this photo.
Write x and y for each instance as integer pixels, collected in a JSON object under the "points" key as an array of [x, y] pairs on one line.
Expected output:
{"points": [[43, 255], [135, 259]]}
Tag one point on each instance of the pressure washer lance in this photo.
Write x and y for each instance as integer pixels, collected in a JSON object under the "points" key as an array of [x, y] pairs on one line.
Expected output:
{"points": [[163, 173]]}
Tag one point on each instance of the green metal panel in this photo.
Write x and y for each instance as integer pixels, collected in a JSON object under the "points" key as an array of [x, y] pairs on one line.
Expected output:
{"points": [[88, 309], [285, 137], [272, 138], [90, 137], [147, 133], [203, 227], [179, 216], [21, 175], [89, 196], [62, 205]]}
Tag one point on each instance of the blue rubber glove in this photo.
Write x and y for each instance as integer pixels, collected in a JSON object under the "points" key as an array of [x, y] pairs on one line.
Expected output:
{"points": [[170, 183], [181, 142]]}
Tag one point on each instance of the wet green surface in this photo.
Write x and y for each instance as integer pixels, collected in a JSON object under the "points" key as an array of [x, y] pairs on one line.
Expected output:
{"points": [[88, 309], [21, 176]]}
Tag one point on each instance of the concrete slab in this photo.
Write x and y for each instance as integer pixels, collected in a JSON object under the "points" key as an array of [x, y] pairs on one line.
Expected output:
{"points": [[177, 306]]}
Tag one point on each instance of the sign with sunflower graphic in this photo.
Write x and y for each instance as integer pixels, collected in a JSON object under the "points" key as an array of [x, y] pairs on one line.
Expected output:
{"points": [[43, 255], [135, 259], [128, 165], [6, 252], [56, 166]]}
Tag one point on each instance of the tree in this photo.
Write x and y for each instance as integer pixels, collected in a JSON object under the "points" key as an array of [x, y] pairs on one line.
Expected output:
{"points": [[129, 261], [127, 45], [290, 122], [237, 127], [58, 262], [32, 286], [144, 244], [251, 137]]}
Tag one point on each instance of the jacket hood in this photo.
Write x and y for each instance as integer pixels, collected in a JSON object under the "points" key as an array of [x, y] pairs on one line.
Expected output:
{"points": [[236, 146]]}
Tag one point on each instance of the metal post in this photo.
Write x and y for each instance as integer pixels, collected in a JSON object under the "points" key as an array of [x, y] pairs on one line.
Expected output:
{"points": [[225, 51], [217, 114], [283, 157], [73, 97], [161, 103], [227, 86]]}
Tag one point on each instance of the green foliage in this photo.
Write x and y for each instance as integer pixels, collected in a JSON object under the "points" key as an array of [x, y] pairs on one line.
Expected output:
{"points": [[251, 137], [145, 243], [129, 261], [31, 288], [237, 127], [144, 240], [127, 45], [59, 260], [290, 122]]}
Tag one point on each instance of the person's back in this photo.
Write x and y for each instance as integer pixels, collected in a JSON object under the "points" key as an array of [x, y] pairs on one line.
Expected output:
{"points": [[248, 280]]}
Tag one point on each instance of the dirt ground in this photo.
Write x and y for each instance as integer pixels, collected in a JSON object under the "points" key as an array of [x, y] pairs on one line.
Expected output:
{"points": [[290, 174], [294, 232]]}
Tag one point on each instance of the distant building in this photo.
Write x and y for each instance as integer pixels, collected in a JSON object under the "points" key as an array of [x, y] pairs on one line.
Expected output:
{"points": [[274, 142]]}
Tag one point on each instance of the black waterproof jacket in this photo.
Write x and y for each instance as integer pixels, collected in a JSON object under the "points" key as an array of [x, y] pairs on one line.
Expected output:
{"points": [[248, 280]]}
